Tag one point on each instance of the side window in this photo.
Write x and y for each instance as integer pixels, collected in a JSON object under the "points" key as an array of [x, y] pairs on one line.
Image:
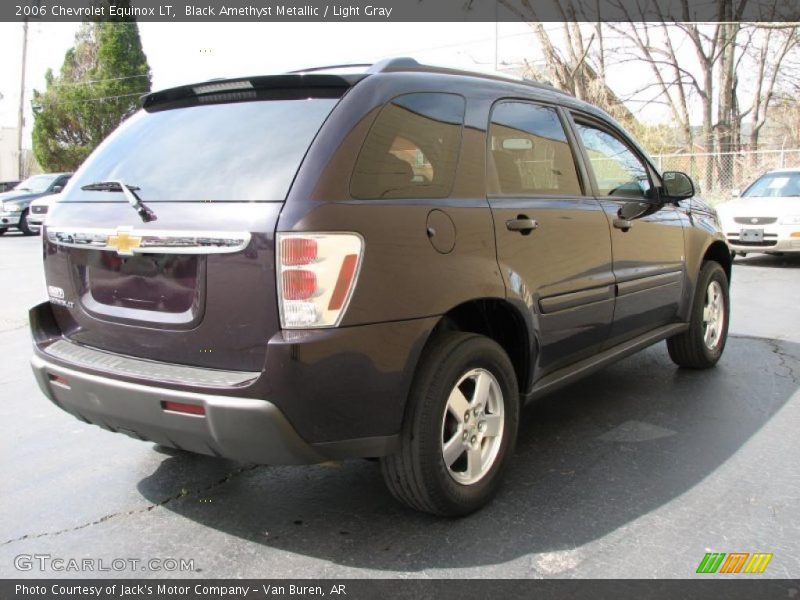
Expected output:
{"points": [[529, 151], [617, 170], [412, 148]]}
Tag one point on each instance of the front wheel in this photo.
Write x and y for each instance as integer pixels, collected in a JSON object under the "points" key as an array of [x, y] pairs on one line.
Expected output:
{"points": [[701, 346], [460, 427]]}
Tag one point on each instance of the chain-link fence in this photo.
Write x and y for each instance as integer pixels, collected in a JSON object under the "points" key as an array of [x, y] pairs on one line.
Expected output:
{"points": [[717, 174]]}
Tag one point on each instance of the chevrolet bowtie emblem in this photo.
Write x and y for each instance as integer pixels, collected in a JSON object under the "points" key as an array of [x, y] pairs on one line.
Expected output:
{"points": [[123, 243]]}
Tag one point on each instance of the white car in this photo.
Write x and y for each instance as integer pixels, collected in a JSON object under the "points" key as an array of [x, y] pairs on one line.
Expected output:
{"points": [[766, 216], [38, 210]]}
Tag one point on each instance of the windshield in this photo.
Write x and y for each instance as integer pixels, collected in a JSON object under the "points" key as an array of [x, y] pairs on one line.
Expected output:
{"points": [[775, 185], [36, 184], [237, 151]]}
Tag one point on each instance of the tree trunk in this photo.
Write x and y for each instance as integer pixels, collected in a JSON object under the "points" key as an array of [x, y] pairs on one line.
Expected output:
{"points": [[726, 102]]}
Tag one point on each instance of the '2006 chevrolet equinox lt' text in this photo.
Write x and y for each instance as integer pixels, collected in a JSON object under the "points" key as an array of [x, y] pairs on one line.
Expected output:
{"points": [[295, 268]]}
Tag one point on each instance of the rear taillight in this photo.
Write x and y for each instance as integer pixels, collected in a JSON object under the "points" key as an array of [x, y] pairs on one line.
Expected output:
{"points": [[317, 273], [298, 284], [298, 251]]}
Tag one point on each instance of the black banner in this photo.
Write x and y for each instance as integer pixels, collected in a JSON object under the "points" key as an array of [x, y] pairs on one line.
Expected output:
{"points": [[416, 589], [400, 10]]}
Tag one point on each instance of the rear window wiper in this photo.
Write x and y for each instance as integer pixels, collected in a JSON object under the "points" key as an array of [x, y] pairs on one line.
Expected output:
{"points": [[129, 191]]}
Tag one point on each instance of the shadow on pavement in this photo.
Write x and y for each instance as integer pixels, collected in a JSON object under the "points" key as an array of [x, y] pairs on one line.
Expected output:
{"points": [[590, 459]]}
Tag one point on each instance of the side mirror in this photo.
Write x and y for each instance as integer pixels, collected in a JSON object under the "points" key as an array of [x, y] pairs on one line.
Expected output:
{"points": [[677, 185], [57, 189], [736, 193]]}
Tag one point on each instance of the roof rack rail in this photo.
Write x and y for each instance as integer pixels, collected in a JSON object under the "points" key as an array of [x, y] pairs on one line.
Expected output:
{"points": [[410, 64], [405, 63], [400, 62], [377, 67]]}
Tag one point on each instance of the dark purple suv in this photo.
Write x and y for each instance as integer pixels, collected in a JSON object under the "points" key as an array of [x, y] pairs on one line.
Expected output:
{"points": [[311, 266]]}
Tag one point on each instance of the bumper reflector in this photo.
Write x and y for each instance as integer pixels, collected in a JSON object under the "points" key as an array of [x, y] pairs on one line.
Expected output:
{"points": [[58, 380], [181, 407]]}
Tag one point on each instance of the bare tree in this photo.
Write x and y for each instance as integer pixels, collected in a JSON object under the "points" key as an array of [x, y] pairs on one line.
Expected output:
{"points": [[576, 62], [670, 80], [771, 52], [727, 69], [721, 51]]}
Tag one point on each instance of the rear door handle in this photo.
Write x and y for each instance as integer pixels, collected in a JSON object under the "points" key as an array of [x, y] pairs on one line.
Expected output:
{"points": [[623, 224], [522, 224]]}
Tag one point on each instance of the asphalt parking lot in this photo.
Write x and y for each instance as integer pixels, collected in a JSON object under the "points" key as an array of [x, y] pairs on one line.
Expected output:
{"points": [[636, 471]]}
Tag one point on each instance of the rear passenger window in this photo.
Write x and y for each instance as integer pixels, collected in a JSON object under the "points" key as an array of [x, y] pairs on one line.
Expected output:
{"points": [[412, 149], [529, 152]]}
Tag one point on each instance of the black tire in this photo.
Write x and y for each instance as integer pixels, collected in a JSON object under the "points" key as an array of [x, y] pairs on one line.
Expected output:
{"points": [[24, 227], [690, 349], [417, 474], [3, 231]]}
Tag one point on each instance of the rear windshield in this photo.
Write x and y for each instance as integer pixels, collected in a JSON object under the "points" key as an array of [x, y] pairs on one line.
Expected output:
{"points": [[241, 151]]}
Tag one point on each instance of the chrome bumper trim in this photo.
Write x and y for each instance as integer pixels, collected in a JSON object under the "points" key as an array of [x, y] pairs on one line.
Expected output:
{"points": [[129, 241]]}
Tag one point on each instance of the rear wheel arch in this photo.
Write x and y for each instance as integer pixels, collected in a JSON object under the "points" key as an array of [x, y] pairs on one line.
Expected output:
{"points": [[499, 320]]}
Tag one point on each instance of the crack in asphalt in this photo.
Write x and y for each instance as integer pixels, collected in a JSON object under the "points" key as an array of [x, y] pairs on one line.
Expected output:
{"points": [[126, 513], [784, 358]]}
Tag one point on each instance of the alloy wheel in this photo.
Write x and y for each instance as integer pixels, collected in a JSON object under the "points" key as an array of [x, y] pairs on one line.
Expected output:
{"points": [[713, 315], [472, 426]]}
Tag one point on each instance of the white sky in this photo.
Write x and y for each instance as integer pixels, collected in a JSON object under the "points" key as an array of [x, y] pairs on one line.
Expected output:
{"points": [[188, 52]]}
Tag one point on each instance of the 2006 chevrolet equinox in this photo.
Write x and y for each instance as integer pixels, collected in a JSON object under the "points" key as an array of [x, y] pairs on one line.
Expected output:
{"points": [[309, 266]]}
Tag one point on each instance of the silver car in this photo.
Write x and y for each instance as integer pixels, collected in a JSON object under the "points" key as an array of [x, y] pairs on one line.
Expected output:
{"points": [[39, 209], [766, 216]]}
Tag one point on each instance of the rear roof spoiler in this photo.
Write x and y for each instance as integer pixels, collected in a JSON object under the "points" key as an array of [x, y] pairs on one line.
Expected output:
{"points": [[288, 86], [311, 82]]}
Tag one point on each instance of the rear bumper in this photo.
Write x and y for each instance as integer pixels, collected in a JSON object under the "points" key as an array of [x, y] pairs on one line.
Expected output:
{"points": [[325, 394], [243, 429]]}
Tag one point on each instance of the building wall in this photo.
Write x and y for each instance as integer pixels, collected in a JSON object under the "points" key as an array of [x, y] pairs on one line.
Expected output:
{"points": [[9, 165]]}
